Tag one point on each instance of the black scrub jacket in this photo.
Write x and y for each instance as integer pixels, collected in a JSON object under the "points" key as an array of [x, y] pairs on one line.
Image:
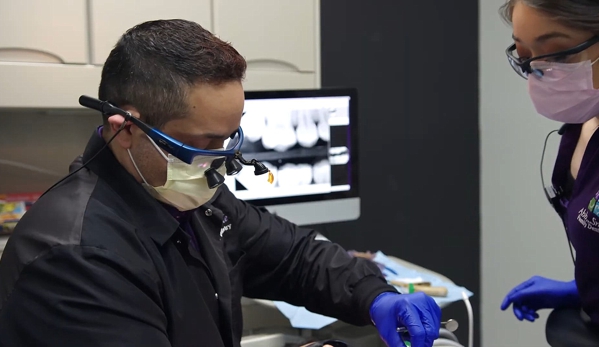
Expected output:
{"points": [[98, 262]]}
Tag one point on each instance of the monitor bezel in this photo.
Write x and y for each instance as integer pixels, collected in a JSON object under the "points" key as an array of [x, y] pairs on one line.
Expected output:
{"points": [[354, 190]]}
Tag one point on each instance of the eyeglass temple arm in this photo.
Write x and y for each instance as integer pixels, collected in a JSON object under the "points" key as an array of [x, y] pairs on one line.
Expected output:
{"points": [[103, 106], [107, 108]]}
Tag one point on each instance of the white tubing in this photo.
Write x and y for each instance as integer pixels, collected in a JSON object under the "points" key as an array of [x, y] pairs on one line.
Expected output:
{"points": [[446, 343], [470, 319]]}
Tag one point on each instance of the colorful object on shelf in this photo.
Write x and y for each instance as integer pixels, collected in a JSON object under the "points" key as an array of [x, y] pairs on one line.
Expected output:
{"points": [[12, 209]]}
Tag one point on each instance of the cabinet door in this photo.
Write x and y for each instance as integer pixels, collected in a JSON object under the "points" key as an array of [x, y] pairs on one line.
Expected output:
{"points": [[46, 85], [275, 32], [111, 18], [43, 31], [273, 80]]}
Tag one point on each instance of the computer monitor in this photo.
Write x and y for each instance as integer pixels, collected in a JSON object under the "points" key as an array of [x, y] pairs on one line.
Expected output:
{"points": [[309, 141]]}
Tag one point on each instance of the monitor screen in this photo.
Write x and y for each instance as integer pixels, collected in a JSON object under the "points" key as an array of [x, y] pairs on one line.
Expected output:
{"points": [[308, 139]]}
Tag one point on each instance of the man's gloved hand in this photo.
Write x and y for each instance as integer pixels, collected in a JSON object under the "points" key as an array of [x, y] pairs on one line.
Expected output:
{"points": [[539, 293], [418, 312]]}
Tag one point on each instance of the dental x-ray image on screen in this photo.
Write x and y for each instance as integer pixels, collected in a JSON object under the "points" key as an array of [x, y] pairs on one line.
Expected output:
{"points": [[308, 140]]}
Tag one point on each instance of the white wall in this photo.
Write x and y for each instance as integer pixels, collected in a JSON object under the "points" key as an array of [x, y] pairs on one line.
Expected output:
{"points": [[521, 235]]}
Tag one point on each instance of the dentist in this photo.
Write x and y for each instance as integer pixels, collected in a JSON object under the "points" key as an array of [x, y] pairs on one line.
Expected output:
{"points": [[137, 248]]}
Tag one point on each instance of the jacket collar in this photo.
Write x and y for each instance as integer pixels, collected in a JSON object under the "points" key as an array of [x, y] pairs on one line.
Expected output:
{"points": [[147, 211]]}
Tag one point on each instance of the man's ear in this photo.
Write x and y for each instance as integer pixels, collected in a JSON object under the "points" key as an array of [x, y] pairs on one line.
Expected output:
{"points": [[125, 137]]}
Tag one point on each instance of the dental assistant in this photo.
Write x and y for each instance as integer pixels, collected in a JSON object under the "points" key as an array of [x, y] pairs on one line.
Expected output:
{"points": [[137, 249], [556, 50]]}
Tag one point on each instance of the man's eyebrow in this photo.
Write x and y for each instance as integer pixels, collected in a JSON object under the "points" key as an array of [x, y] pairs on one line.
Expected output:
{"points": [[215, 136]]}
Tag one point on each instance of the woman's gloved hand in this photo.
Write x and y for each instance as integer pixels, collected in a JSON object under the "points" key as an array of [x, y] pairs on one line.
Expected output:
{"points": [[539, 293], [418, 312]]}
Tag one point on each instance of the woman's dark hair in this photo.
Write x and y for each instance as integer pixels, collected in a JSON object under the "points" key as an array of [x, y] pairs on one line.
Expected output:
{"points": [[154, 64], [576, 14]]}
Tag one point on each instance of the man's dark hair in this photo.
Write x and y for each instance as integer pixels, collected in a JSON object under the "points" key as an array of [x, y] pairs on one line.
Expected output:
{"points": [[154, 64]]}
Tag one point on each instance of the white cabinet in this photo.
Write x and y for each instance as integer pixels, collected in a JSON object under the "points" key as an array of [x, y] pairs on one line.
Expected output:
{"points": [[279, 34], [273, 80], [43, 31], [68, 41], [46, 85], [111, 18]]}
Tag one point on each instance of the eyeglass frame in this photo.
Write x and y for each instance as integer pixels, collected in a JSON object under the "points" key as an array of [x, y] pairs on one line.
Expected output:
{"points": [[182, 151], [525, 67], [176, 148]]}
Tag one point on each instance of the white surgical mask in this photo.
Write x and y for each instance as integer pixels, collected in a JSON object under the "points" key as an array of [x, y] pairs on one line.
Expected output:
{"points": [[186, 186]]}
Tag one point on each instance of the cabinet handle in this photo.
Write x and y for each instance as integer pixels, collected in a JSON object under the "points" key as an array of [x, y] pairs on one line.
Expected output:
{"points": [[272, 64], [28, 55]]}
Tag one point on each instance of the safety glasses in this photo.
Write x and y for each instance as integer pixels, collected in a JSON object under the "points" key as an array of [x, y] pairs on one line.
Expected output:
{"points": [[523, 67], [184, 152], [231, 156], [178, 149]]}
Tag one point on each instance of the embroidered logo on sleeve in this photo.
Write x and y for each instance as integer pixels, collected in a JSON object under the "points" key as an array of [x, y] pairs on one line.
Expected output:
{"points": [[589, 222], [226, 226], [594, 206]]}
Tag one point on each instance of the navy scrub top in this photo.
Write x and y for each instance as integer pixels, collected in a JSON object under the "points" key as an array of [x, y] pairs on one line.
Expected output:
{"points": [[579, 211]]}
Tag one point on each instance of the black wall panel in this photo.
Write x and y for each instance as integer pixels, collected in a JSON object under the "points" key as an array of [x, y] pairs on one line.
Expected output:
{"points": [[415, 64]]}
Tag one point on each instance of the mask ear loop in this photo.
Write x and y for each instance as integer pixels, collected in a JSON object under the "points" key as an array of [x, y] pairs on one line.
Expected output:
{"points": [[136, 168], [168, 160]]}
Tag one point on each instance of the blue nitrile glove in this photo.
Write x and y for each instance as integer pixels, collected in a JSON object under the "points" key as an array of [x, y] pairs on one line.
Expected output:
{"points": [[418, 312], [539, 293]]}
